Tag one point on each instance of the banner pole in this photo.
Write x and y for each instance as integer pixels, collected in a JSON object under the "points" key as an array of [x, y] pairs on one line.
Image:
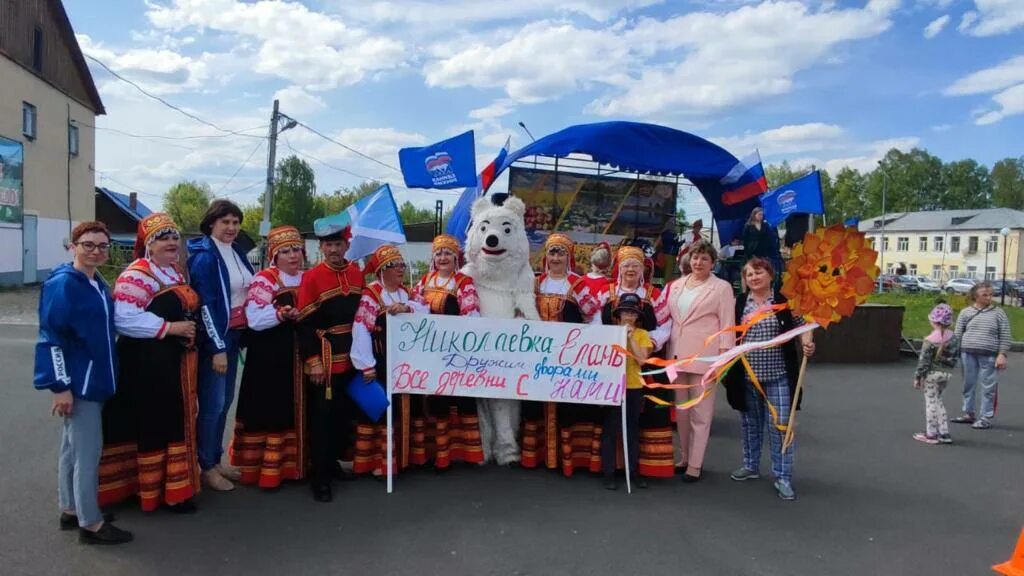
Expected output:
{"points": [[390, 427], [625, 444]]}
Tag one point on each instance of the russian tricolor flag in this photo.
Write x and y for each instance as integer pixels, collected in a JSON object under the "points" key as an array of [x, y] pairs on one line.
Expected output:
{"points": [[458, 222], [746, 180]]}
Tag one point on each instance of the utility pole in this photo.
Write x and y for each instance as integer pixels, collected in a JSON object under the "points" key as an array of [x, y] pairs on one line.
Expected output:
{"points": [[885, 184], [268, 191]]}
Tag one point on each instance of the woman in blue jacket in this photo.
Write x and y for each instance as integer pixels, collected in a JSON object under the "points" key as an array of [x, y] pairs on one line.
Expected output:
{"points": [[221, 274], [75, 360]]}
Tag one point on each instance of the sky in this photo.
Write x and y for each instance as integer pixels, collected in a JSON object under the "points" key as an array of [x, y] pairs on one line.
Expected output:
{"points": [[829, 83]]}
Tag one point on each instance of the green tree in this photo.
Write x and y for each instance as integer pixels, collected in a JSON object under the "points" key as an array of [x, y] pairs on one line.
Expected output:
{"points": [[1007, 179], [912, 181], [186, 202], [966, 184], [294, 192], [846, 196], [779, 174], [252, 215], [411, 214], [342, 198]]}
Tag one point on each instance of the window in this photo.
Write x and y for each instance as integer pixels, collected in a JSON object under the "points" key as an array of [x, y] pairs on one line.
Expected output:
{"points": [[28, 120], [922, 244], [954, 244], [936, 272], [885, 244], [72, 140], [902, 244], [954, 271], [912, 270], [972, 244], [938, 244], [874, 243], [992, 245], [990, 273], [972, 272], [37, 50]]}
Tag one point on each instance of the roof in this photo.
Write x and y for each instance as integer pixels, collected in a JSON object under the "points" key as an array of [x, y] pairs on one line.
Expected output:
{"points": [[946, 220], [68, 35], [123, 202]]}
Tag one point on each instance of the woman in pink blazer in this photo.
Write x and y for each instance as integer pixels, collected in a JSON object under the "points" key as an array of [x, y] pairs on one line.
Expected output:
{"points": [[700, 305]]}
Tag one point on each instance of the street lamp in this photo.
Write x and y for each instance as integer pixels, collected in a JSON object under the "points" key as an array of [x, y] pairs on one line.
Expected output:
{"points": [[885, 183], [1005, 233]]}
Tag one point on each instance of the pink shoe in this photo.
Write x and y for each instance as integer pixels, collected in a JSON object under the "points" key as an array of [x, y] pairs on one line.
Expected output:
{"points": [[922, 437]]}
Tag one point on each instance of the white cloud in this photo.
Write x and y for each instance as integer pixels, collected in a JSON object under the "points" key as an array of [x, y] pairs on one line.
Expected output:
{"points": [[935, 26], [1005, 81], [1003, 75], [969, 18], [942, 128], [297, 102], [158, 70], [1010, 102], [495, 109], [785, 140], [872, 153], [993, 17], [461, 13], [312, 49]]}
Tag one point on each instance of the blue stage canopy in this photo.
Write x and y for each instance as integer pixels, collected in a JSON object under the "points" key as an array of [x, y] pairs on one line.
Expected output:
{"points": [[647, 149]]}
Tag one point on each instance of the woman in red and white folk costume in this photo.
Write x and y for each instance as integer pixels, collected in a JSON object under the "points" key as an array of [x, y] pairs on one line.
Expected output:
{"points": [[454, 423], [386, 295], [149, 426], [656, 457], [600, 260], [269, 442], [562, 435]]}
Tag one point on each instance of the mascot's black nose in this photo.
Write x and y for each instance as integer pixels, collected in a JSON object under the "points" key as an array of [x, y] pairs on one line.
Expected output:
{"points": [[492, 241]]}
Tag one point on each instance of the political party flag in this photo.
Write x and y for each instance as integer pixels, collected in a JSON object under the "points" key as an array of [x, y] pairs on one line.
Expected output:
{"points": [[374, 221], [744, 181], [447, 164], [458, 222], [801, 196], [852, 221]]}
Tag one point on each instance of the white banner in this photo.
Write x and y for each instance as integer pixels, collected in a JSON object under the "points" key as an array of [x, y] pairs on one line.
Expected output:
{"points": [[505, 358]]}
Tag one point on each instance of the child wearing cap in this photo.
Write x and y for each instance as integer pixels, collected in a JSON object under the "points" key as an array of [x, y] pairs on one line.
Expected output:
{"points": [[939, 353], [640, 345]]}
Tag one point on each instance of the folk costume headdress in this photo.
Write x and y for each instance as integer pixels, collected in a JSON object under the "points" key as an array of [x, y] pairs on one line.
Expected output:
{"points": [[383, 258], [151, 228], [283, 237], [447, 242], [627, 253], [565, 244]]}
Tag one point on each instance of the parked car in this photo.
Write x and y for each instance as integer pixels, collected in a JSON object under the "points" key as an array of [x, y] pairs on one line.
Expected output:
{"points": [[959, 285], [926, 284], [888, 281], [907, 284]]}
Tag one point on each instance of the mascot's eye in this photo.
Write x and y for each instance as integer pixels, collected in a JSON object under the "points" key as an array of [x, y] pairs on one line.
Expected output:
{"points": [[823, 269], [483, 228], [836, 271], [508, 230]]}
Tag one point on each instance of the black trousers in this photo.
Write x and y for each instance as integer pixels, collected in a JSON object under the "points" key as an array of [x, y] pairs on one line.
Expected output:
{"points": [[330, 426], [611, 432]]}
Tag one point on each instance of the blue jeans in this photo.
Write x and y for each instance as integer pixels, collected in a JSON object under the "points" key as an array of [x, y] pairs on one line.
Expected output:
{"points": [[216, 393], [980, 368], [78, 473], [755, 419]]}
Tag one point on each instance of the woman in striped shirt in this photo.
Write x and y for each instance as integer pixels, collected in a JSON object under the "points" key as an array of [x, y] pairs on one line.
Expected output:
{"points": [[984, 334]]}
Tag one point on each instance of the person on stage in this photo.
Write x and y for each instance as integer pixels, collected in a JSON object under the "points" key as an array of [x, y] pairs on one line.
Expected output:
{"points": [[451, 422], [561, 435], [269, 443], [329, 296], [149, 425]]}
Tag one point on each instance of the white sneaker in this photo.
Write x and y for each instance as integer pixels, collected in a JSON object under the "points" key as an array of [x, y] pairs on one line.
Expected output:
{"points": [[215, 481], [229, 472]]}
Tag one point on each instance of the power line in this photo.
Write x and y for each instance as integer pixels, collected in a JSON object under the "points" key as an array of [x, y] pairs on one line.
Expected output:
{"points": [[132, 188], [247, 158], [311, 157], [249, 187], [347, 147], [168, 104], [160, 137]]}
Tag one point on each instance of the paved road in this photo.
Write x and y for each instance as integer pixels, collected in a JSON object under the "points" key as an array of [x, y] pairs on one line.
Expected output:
{"points": [[871, 501]]}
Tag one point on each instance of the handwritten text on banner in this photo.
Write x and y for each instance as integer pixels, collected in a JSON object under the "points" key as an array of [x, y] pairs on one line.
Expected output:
{"points": [[505, 358]]}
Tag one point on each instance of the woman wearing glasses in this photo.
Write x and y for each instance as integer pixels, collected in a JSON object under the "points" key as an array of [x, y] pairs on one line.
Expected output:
{"points": [[75, 360], [149, 425], [269, 443]]}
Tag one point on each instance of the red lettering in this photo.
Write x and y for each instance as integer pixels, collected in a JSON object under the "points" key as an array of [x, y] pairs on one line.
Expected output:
{"points": [[406, 379], [569, 344], [519, 386]]}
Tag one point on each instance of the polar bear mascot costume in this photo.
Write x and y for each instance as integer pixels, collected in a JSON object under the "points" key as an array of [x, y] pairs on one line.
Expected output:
{"points": [[498, 261]]}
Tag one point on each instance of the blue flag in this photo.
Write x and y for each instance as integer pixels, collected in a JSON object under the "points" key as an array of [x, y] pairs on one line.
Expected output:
{"points": [[801, 196], [448, 164], [374, 221], [852, 222]]}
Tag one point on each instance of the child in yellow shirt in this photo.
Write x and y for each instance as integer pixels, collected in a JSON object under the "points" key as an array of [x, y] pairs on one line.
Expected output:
{"points": [[639, 343]]}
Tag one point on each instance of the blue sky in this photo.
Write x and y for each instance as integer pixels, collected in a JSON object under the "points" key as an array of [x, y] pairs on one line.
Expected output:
{"points": [[830, 83]]}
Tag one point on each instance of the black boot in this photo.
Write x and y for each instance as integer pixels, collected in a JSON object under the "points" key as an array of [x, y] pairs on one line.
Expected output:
{"points": [[70, 521], [108, 535]]}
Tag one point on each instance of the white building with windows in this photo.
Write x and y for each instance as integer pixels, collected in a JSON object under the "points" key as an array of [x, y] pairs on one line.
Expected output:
{"points": [[950, 244]]}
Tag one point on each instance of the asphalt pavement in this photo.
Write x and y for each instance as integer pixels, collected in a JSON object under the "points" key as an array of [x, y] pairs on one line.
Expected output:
{"points": [[870, 501]]}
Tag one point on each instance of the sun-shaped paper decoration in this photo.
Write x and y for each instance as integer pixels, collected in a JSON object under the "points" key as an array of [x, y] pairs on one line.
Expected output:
{"points": [[830, 273]]}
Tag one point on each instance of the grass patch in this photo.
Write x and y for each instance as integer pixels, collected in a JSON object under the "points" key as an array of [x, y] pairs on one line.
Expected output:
{"points": [[917, 307]]}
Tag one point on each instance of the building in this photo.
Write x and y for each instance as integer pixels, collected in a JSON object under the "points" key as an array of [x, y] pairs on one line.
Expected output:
{"points": [[950, 243], [121, 213], [48, 108]]}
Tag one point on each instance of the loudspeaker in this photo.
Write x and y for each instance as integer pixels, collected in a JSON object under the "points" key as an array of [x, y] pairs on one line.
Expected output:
{"points": [[797, 226]]}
